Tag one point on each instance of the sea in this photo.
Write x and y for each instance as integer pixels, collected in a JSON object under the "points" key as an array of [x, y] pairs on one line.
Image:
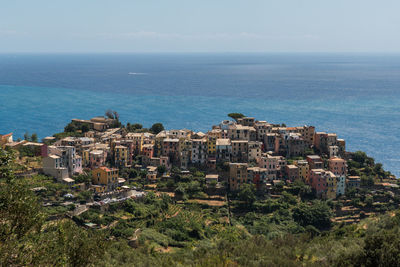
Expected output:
{"points": [[356, 96]]}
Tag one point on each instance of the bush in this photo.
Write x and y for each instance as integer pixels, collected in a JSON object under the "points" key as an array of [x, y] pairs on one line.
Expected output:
{"points": [[154, 236], [318, 215]]}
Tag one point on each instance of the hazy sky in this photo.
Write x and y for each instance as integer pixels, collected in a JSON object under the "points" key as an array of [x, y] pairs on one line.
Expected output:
{"points": [[199, 25]]}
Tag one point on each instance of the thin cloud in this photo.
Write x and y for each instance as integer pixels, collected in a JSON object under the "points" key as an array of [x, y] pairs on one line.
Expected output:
{"points": [[212, 36], [8, 32]]}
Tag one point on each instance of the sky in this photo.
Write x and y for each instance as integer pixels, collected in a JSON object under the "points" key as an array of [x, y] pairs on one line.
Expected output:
{"points": [[76, 26]]}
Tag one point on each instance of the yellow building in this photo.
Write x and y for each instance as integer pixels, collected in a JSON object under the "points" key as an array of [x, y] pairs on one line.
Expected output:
{"points": [[85, 157], [121, 156], [211, 145], [330, 185], [104, 179], [137, 139], [185, 149], [304, 169]]}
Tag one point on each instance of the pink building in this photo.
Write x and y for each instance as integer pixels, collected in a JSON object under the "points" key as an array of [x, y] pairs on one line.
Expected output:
{"points": [[292, 172], [97, 158], [271, 164], [338, 166], [148, 150], [170, 148], [317, 181], [315, 162]]}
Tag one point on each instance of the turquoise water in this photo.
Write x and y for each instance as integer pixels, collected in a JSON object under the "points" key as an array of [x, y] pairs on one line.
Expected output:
{"points": [[356, 96]]}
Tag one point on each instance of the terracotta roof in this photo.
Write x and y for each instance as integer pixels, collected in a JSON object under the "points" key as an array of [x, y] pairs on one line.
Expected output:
{"points": [[336, 159]]}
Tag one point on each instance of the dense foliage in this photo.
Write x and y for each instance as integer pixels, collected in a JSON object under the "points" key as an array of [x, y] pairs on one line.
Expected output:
{"points": [[289, 228], [235, 116]]}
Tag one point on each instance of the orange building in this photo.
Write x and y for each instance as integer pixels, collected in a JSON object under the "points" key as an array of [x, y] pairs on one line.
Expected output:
{"points": [[104, 179], [338, 166]]}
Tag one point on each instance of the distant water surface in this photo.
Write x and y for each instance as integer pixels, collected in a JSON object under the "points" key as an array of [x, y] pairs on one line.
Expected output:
{"points": [[355, 95]]}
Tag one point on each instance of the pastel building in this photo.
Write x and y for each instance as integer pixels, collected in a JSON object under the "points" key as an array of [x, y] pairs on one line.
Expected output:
{"points": [[170, 148], [4, 139], [211, 145], [97, 158], [137, 139], [315, 162], [271, 164], [53, 166], [104, 179], [295, 145], [226, 124], [257, 176], [96, 123], [306, 132], [121, 156], [199, 151], [240, 149], [217, 133], [148, 150], [292, 172], [151, 173], [341, 185], [238, 175], [185, 152], [269, 141], [303, 168], [342, 147], [333, 151], [66, 158], [240, 132], [254, 150], [317, 181], [331, 185], [262, 128], [223, 150], [246, 121], [338, 166], [322, 141]]}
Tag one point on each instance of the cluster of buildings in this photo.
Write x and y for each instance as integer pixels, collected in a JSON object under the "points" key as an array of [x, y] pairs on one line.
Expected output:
{"points": [[288, 154], [257, 152]]}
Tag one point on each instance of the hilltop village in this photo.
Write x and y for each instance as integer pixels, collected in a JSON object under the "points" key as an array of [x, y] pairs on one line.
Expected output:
{"points": [[182, 197], [232, 153]]}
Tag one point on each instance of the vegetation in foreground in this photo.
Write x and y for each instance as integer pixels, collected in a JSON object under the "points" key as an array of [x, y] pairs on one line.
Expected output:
{"points": [[291, 230]]}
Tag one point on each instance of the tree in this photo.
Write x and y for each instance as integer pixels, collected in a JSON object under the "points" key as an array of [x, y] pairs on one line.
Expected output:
{"points": [[236, 116], [247, 194], [318, 215], [109, 114], [367, 180], [20, 214], [85, 177], [157, 127], [70, 128], [116, 115], [112, 114], [161, 169], [137, 126], [133, 127], [6, 161], [85, 128], [72, 245], [34, 137], [26, 136], [85, 196], [23, 239]]}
